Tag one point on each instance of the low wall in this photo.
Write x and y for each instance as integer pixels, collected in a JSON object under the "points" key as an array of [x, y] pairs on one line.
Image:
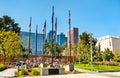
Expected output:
{"points": [[52, 71]]}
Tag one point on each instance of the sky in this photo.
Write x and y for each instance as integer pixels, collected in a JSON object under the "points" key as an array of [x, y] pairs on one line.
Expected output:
{"points": [[100, 17]]}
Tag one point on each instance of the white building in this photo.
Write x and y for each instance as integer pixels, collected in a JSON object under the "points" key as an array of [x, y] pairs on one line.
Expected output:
{"points": [[111, 42]]}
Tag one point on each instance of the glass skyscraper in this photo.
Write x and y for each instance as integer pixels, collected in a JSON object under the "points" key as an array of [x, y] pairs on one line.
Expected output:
{"points": [[61, 39], [49, 36], [25, 38]]}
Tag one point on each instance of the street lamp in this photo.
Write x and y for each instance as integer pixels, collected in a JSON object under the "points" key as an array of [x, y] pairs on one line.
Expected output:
{"points": [[91, 51]]}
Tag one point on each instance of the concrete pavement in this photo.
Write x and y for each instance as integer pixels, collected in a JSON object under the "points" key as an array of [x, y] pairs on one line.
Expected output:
{"points": [[9, 73]]}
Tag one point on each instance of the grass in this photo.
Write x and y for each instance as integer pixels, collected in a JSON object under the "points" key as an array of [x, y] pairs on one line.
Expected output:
{"points": [[96, 67]]}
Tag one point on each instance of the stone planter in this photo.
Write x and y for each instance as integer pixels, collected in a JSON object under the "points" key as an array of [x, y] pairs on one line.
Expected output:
{"points": [[52, 71]]}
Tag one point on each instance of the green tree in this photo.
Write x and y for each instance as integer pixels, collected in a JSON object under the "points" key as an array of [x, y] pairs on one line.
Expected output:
{"points": [[116, 58], [48, 49], [84, 46], [7, 23], [107, 55], [97, 56], [10, 44]]}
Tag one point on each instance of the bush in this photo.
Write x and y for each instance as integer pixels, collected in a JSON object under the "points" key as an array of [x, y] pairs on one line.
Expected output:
{"points": [[16, 74], [2, 67], [23, 71], [84, 62], [35, 72]]}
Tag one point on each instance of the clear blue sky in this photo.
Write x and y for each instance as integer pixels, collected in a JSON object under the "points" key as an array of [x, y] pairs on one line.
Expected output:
{"points": [[101, 17]]}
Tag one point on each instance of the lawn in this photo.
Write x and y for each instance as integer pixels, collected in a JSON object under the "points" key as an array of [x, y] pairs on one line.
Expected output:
{"points": [[97, 67]]}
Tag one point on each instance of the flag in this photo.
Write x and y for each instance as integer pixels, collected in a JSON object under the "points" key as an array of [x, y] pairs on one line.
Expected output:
{"points": [[69, 20], [43, 32], [52, 14], [36, 29], [53, 36], [45, 24], [30, 23], [55, 27]]}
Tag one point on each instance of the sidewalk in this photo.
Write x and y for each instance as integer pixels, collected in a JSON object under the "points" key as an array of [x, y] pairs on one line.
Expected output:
{"points": [[8, 73]]}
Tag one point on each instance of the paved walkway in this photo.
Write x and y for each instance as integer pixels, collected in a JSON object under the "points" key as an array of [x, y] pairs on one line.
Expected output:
{"points": [[9, 73]]}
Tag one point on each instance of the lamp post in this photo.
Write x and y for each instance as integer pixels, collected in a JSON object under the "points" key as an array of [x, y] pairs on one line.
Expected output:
{"points": [[91, 51]]}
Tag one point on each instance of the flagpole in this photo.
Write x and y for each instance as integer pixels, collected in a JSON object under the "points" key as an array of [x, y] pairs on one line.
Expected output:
{"points": [[55, 34], [52, 32], [45, 35], [69, 22], [36, 41], [44, 40], [29, 37]]}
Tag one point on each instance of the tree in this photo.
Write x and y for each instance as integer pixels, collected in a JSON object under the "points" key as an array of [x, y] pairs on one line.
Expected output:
{"points": [[84, 51], [84, 46], [48, 49], [97, 56], [107, 55], [7, 24], [10, 44], [116, 58]]}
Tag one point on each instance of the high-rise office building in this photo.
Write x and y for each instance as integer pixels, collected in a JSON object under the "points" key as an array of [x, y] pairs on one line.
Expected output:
{"points": [[74, 37], [61, 39], [49, 36], [25, 38]]}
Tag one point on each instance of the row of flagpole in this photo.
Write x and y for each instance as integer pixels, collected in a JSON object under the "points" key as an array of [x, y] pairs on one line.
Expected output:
{"points": [[54, 35]]}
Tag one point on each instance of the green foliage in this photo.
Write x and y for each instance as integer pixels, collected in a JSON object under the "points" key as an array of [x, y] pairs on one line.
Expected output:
{"points": [[96, 67], [8, 24], [107, 55], [84, 46], [23, 71], [2, 67], [10, 44], [35, 72], [116, 58], [107, 63], [16, 73], [48, 49]]}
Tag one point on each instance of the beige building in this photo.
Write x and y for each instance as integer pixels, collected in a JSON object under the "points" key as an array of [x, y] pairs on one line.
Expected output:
{"points": [[74, 36], [111, 42]]}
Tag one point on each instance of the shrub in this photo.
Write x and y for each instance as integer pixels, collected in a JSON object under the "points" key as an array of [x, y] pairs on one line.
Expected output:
{"points": [[16, 74], [35, 72], [2, 67], [23, 71]]}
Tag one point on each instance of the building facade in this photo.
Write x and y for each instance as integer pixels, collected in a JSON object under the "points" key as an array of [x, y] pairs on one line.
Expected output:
{"points": [[49, 36], [111, 42], [61, 39], [74, 36], [25, 38]]}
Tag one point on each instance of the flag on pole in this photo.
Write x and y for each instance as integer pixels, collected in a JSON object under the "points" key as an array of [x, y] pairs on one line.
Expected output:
{"points": [[53, 36], [55, 24], [52, 14], [30, 23], [36, 29], [69, 20], [43, 32]]}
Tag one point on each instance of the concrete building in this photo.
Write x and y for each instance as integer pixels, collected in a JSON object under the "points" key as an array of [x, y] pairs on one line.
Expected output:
{"points": [[61, 39], [111, 42], [74, 36], [24, 37]]}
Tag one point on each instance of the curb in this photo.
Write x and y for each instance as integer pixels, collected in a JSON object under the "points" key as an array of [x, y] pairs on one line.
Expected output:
{"points": [[100, 71]]}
